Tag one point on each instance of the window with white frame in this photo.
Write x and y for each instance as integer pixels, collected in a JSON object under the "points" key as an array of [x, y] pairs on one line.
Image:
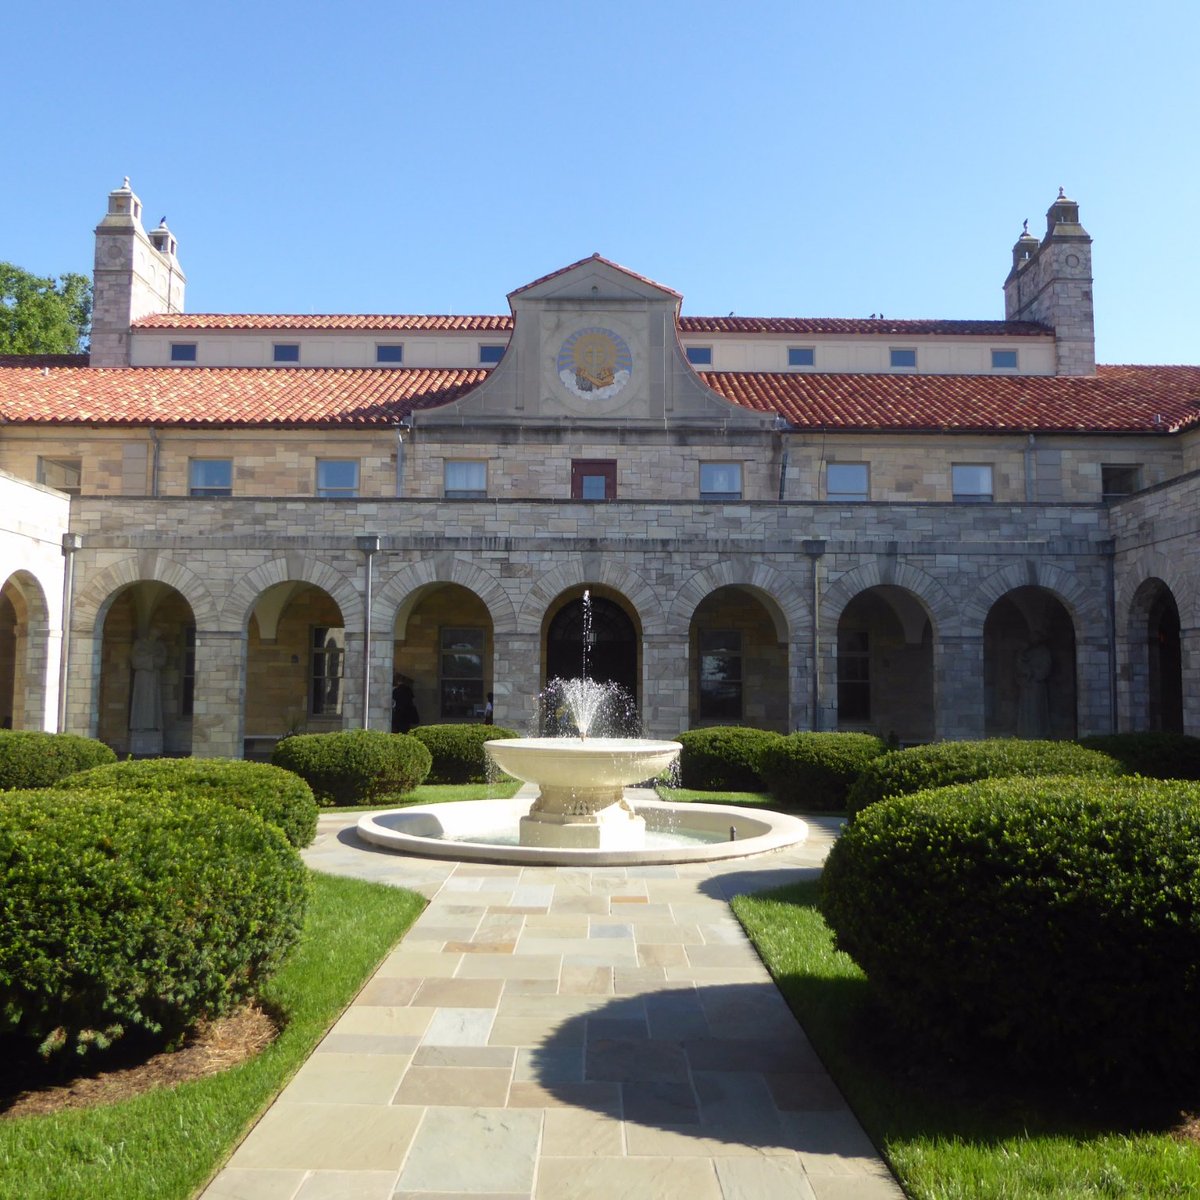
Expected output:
{"points": [[326, 666], [1004, 360], [847, 481], [286, 352], [183, 351], [971, 483], [902, 356], [464, 479], [802, 356], [491, 354], [210, 477], [720, 481], [700, 356], [389, 354], [337, 477]]}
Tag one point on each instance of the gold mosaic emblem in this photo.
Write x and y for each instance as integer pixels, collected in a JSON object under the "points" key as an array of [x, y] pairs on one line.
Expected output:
{"points": [[594, 363]]}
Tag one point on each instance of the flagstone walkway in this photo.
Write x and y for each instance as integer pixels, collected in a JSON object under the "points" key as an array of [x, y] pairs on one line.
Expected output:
{"points": [[562, 1034]]}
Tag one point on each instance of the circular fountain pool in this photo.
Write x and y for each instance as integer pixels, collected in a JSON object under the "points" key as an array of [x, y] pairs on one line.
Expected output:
{"points": [[489, 831]]}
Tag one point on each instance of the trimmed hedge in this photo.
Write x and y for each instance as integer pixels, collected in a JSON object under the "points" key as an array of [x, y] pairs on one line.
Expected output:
{"points": [[1053, 920], [815, 771], [119, 913], [901, 772], [1154, 755], [354, 766], [457, 750], [723, 758], [29, 759], [278, 796]]}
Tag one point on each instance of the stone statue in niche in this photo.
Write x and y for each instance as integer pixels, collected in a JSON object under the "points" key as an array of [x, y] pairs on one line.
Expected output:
{"points": [[148, 658], [1034, 664]]}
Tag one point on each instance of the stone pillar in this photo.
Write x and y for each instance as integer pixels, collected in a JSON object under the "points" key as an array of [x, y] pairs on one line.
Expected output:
{"points": [[800, 681], [352, 681], [665, 676], [1093, 680], [1189, 653], [218, 703], [382, 659], [958, 691], [517, 675]]}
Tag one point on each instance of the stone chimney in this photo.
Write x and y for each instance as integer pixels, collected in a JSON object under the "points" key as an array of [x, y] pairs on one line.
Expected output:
{"points": [[1051, 283], [135, 274]]}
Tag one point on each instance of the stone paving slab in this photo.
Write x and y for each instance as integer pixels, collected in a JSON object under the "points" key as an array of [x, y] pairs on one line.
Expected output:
{"points": [[561, 1034]]}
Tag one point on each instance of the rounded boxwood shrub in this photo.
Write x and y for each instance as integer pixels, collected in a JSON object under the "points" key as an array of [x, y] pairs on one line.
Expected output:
{"points": [[29, 759], [119, 913], [723, 758], [354, 766], [457, 750], [278, 796], [1155, 755], [1055, 920], [814, 771], [902, 772]]}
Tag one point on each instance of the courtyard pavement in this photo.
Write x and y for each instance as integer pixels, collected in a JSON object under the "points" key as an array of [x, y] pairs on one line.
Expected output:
{"points": [[550, 1033]]}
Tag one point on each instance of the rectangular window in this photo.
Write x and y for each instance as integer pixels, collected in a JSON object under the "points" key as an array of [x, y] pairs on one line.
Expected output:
{"points": [[210, 477], [183, 351], [903, 358], [720, 481], [854, 675], [325, 682], [391, 355], [287, 352], [464, 479], [847, 481], [461, 674], [700, 356], [1118, 479], [971, 483], [721, 675], [489, 356], [64, 474], [187, 685], [337, 477], [1004, 360], [593, 479], [801, 356]]}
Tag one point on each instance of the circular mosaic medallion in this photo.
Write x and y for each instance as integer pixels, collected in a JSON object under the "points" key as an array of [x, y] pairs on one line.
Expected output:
{"points": [[594, 364]]}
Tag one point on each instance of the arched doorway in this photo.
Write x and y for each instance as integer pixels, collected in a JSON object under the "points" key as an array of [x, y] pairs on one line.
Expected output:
{"points": [[598, 640], [23, 653], [1029, 666], [1156, 656], [738, 661], [885, 665], [147, 672]]}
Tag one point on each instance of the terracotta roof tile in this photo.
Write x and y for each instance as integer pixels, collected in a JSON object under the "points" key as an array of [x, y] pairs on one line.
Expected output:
{"points": [[1115, 399], [376, 322], [812, 326], [1120, 399], [256, 396]]}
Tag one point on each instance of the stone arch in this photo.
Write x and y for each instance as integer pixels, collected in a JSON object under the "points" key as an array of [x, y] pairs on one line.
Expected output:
{"points": [[1151, 675], [579, 570], [1173, 575], [93, 601], [24, 651], [292, 568], [398, 592], [778, 594], [1086, 606], [887, 571]]}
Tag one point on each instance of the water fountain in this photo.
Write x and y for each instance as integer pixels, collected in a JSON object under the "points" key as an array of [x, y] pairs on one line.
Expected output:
{"points": [[582, 813]]}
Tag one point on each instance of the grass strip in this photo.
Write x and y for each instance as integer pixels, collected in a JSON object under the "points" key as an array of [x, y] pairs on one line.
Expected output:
{"points": [[676, 795], [436, 793], [165, 1144], [950, 1132]]}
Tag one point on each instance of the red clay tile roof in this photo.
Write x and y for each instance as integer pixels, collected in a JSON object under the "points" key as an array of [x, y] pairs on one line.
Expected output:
{"points": [[43, 360], [374, 322], [255, 396], [1115, 400], [812, 326]]}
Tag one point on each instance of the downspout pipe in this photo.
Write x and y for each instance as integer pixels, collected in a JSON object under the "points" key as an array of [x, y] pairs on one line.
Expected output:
{"points": [[369, 544], [71, 542], [1111, 570], [815, 549]]}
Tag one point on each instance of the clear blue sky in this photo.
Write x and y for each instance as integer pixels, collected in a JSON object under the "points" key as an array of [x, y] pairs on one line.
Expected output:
{"points": [[766, 158]]}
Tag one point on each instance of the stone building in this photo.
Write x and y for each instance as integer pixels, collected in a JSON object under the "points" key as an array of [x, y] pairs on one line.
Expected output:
{"points": [[263, 523]]}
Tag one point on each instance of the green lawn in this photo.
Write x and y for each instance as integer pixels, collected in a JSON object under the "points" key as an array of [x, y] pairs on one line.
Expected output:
{"points": [[163, 1145], [952, 1135], [438, 793], [692, 795]]}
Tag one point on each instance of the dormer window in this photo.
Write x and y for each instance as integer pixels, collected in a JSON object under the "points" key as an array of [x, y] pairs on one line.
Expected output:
{"points": [[801, 356], [389, 355], [1004, 360], [903, 357], [183, 352], [287, 352], [490, 355], [700, 356]]}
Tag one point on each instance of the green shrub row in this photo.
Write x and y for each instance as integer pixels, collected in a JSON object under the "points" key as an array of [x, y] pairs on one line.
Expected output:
{"points": [[457, 750], [1154, 755], [121, 913], [815, 771], [280, 797], [1054, 921], [723, 758], [354, 766], [30, 759], [905, 771]]}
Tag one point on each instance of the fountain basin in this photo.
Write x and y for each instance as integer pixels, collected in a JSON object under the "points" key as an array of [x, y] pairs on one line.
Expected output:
{"points": [[431, 831], [581, 785]]}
